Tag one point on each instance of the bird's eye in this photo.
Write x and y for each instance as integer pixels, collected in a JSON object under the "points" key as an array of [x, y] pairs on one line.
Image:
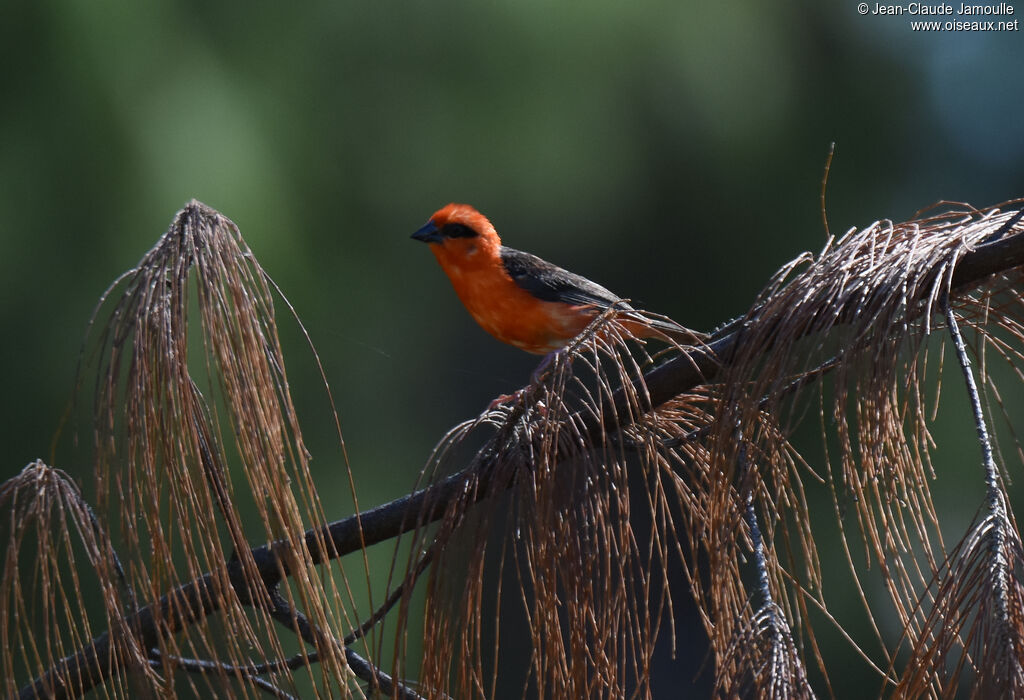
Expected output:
{"points": [[457, 231]]}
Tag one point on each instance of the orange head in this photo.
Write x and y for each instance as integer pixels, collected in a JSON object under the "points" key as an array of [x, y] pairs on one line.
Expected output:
{"points": [[458, 232]]}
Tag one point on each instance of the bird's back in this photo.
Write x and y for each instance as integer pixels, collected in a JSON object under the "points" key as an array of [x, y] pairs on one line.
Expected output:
{"points": [[549, 282]]}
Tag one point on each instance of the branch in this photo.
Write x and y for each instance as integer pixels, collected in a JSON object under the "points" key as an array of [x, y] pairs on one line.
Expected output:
{"points": [[218, 668], [293, 619], [188, 604]]}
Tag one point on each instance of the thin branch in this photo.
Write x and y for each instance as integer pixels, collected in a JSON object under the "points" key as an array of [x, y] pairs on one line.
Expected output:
{"points": [[255, 669], [996, 502], [979, 600], [392, 599], [292, 618], [218, 668], [977, 605], [757, 542], [378, 679], [988, 461]]}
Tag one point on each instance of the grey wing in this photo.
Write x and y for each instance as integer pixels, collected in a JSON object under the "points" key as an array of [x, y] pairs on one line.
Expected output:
{"points": [[549, 282]]}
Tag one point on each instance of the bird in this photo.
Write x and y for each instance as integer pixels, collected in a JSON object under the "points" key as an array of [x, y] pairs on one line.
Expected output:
{"points": [[521, 299]]}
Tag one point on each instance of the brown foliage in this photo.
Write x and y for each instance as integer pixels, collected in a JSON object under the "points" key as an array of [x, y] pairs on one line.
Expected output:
{"points": [[699, 438]]}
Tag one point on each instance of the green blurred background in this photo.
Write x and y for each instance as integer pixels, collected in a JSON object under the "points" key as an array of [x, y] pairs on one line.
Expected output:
{"points": [[671, 151]]}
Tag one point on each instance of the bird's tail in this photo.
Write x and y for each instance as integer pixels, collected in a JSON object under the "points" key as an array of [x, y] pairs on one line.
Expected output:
{"points": [[661, 328]]}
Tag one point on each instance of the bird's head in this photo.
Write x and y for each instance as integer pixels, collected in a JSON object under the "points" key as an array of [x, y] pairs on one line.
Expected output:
{"points": [[460, 230]]}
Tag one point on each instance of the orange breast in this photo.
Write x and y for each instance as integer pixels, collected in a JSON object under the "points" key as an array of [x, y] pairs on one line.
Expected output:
{"points": [[510, 313]]}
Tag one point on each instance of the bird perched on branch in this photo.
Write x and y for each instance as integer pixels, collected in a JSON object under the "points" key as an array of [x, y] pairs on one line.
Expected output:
{"points": [[520, 299]]}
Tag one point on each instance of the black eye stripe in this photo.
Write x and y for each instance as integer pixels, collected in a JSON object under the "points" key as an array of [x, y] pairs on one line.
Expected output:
{"points": [[457, 231]]}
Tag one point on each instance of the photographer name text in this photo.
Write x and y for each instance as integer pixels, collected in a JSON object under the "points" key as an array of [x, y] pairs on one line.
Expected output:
{"points": [[942, 9]]}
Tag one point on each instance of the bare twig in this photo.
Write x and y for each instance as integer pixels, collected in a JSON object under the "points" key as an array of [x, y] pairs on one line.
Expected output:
{"points": [[221, 669], [288, 616], [987, 460]]}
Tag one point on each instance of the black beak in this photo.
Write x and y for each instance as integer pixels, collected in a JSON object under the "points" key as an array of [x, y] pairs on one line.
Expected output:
{"points": [[429, 233]]}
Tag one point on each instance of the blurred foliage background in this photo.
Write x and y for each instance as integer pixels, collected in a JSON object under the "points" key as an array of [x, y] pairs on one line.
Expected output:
{"points": [[671, 151]]}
